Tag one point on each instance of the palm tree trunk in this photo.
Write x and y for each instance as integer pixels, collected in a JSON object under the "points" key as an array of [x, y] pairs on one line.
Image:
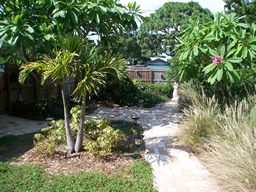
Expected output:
{"points": [[79, 139], [69, 137]]}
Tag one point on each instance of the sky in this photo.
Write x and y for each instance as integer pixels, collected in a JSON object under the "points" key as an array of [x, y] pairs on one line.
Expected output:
{"points": [[148, 6]]}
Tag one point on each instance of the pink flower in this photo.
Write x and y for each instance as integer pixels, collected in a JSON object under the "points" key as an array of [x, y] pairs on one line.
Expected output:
{"points": [[221, 59], [216, 59]]}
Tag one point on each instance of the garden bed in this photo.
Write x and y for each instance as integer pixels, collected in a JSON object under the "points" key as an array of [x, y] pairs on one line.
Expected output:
{"points": [[22, 149]]}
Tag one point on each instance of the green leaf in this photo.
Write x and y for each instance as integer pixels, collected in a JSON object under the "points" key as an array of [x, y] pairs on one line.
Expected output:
{"points": [[209, 68], [104, 9], [235, 60], [30, 29], [244, 52], [233, 76], [212, 78], [239, 49], [97, 18], [232, 44], [252, 39], [228, 66], [222, 50], [253, 26], [195, 50], [219, 73], [213, 52], [253, 47], [74, 17], [16, 19], [244, 25], [203, 49], [230, 53], [3, 39], [209, 37], [127, 16]]}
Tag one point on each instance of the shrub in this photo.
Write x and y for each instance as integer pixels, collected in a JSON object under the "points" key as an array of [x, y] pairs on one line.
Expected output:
{"points": [[102, 139], [105, 143], [94, 128], [128, 92], [54, 135], [162, 89]]}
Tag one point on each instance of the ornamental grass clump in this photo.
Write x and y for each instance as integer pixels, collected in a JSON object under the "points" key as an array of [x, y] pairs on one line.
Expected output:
{"points": [[226, 138], [233, 152], [201, 116]]}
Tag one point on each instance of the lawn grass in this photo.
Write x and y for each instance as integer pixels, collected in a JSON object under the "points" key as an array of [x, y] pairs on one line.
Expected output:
{"points": [[33, 178]]}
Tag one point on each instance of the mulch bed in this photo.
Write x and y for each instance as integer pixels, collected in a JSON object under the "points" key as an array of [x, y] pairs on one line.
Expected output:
{"points": [[25, 152]]}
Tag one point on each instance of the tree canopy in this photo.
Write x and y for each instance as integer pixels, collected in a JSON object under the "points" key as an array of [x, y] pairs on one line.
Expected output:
{"points": [[159, 33], [29, 28], [221, 49], [128, 46], [241, 8]]}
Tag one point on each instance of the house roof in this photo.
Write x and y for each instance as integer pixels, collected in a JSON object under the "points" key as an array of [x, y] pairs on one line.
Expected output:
{"points": [[157, 63]]}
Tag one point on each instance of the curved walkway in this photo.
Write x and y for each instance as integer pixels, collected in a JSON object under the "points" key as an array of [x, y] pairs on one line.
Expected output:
{"points": [[175, 168]]}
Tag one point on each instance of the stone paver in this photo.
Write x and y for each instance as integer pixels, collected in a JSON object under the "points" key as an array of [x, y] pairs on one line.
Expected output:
{"points": [[175, 168], [10, 125]]}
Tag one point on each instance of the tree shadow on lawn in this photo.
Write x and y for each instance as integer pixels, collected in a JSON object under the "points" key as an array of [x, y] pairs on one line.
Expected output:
{"points": [[14, 146]]}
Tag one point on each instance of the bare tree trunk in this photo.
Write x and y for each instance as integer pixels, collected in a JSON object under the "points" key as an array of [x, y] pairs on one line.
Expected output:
{"points": [[79, 139], [69, 137]]}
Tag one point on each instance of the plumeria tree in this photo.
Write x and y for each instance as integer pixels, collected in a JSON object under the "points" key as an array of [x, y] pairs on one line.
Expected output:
{"points": [[28, 28], [218, 50]]}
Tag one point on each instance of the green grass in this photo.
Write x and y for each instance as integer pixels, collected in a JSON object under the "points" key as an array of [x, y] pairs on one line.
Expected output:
{"points": [[32, 178]]}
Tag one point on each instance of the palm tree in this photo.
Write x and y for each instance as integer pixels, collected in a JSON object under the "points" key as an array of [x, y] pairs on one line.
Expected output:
{"points": [[57, 69], [94, 72], [92, 66]]}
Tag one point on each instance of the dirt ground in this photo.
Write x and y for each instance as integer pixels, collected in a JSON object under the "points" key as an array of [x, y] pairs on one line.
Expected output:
{"points": [[23, 151]]}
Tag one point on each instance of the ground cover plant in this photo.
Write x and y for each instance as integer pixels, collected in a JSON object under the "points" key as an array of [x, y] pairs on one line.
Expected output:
{"points": [[224, 137], [33, 178]]}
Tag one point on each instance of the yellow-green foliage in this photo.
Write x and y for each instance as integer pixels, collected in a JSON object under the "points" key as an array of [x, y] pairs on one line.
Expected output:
{"points": [[94, 128], [106, 142], [76, 115]]}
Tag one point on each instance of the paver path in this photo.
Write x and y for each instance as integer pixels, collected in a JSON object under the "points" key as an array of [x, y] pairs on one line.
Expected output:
{"points": [[175, 168], [10, 125]]}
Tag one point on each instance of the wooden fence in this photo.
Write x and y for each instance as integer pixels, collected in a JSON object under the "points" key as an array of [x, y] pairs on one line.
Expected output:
{"points": [[13, 95], [3, 94], [148, 75]]}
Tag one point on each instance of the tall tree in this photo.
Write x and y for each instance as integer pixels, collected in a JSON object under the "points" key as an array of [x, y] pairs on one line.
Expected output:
{"points": [[241, 8], [161, 30], [128, 46]]}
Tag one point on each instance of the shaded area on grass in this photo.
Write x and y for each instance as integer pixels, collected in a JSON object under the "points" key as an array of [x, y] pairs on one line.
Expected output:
{"points": [[14, 146]]}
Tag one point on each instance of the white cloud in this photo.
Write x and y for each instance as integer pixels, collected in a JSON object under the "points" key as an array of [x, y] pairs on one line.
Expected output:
{"points": [[149, 6]]}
